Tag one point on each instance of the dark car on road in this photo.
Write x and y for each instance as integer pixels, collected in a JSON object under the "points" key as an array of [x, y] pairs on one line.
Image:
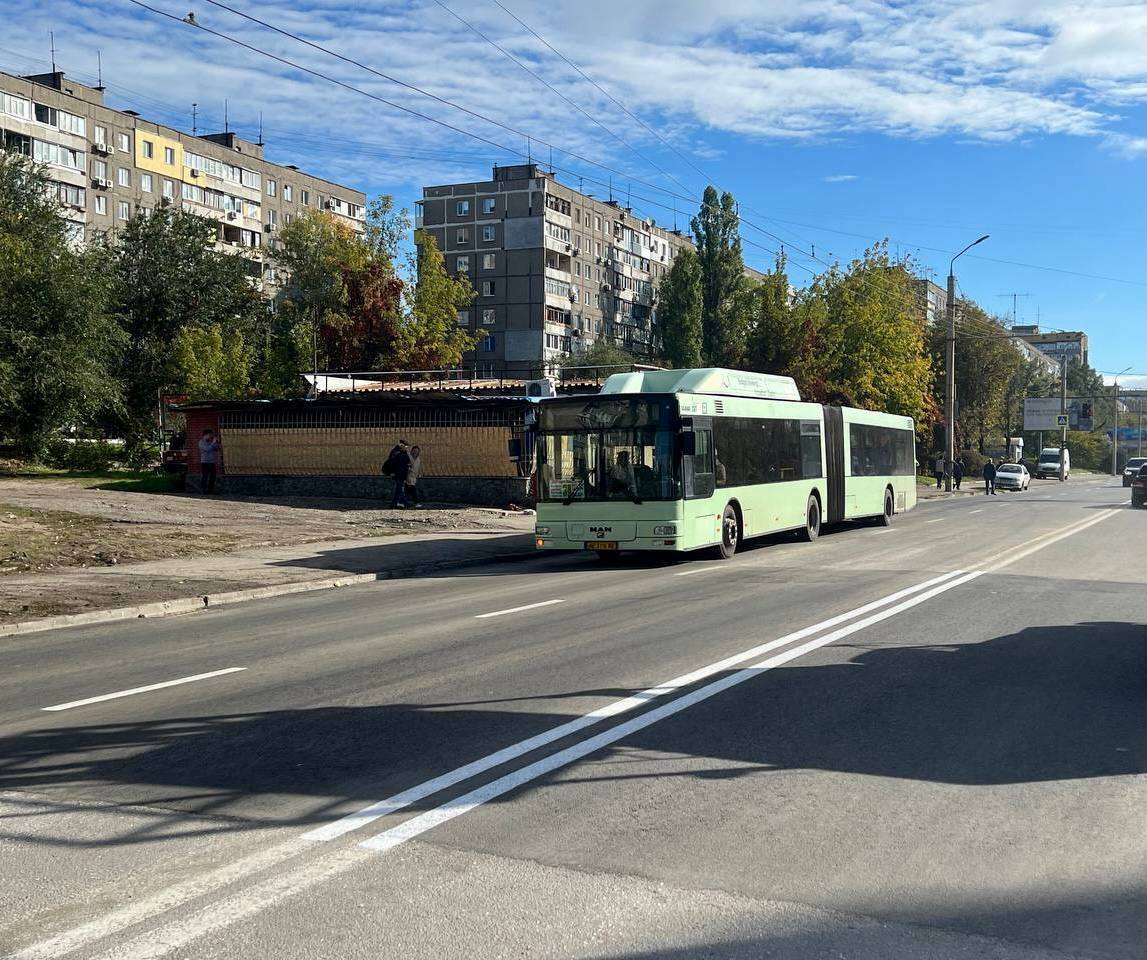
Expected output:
{"points": [[1134, 465], [1139, 488]]}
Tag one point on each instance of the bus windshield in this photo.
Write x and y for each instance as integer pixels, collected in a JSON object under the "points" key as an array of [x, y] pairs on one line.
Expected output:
{"points": [[608, 449]]}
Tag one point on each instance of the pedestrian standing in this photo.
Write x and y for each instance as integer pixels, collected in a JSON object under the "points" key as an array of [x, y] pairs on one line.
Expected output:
{"points": [[989, 478], [938, 472], [397, 467], [208, 458], [958, 471], [412, 494]]}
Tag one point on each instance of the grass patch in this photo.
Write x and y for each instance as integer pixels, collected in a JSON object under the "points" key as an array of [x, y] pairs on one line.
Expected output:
{"points": [[135, 481], [33, 541]]}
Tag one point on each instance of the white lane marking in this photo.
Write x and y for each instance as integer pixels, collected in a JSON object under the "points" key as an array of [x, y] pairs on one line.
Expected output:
{"points": [[1009, 557], [420, 824], [136, 912], [244, 903], [970, 512], [172, 897], [359, 818], [713, 565], [147, 689], [940, 520], [528, 606]]}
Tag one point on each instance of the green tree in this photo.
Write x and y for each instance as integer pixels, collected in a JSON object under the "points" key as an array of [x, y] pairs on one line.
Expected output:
{"points": [[430, 335], [171, 277], [318, 253], [599, 361], [716, 231], [776, 343], [386, 228], [207, 365], [679, 311], [873, 337], [59, 339], [987, 364]]}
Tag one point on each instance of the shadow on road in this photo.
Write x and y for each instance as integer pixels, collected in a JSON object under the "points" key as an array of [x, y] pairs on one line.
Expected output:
{"points": [[1047, 703]]}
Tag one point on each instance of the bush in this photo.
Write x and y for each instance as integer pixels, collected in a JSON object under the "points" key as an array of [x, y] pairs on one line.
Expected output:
{"points": [[973, 462], [86, 456]]}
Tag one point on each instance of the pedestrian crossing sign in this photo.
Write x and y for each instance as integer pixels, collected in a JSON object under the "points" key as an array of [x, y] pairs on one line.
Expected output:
{"points": [[1061, 420]]}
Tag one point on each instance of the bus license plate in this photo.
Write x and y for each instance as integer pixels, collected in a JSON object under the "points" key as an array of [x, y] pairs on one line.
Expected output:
{"points": [[601, 545]]}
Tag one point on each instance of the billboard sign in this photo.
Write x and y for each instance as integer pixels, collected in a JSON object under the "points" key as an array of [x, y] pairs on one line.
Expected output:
{"points": [[1043, 413]]}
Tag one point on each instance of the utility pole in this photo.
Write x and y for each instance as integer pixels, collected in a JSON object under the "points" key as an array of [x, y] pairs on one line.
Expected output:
{"points": [[1115, 431], [1063, 411], [950, 367], [950, 385], [1139, 429]]}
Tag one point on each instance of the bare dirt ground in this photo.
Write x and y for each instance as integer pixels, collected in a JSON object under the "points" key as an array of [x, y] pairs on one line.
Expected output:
{"points": [[53, 531]]}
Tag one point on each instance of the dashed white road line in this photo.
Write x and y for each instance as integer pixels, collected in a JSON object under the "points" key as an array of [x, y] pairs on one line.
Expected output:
{"points": [[134, 690], [528, 606], [980, 510], [938, 520]]}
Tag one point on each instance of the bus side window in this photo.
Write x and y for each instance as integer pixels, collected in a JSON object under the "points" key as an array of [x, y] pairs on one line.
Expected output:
{"points": [[700, 481]]}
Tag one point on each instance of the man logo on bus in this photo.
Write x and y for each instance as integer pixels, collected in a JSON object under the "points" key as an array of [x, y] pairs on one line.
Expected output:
{"points": [[600, 532]]}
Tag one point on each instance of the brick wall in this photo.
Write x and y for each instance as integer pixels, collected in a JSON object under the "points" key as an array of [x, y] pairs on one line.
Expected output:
{"points": [[360, 451]]}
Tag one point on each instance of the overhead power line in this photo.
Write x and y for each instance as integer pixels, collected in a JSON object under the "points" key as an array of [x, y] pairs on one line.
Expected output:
{"points": [[402, 83], [516, 152], [549, 86]]}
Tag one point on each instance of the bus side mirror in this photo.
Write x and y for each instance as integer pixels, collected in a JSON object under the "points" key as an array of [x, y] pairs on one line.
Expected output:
{"points": [[688, 444]]}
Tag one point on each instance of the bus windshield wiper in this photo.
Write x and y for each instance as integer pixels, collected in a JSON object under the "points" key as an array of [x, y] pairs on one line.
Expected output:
{"points": [[573, 492]]}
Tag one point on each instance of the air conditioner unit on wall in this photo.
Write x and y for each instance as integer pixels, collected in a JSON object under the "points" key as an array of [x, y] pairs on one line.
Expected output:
{"points": [[194, 172]]}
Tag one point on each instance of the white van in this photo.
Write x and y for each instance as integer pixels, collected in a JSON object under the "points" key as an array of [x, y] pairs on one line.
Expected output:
{"points": [[1048, 465]]}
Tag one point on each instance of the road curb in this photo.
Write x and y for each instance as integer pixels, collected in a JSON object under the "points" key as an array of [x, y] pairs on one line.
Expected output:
{"points": [[181, 605]]}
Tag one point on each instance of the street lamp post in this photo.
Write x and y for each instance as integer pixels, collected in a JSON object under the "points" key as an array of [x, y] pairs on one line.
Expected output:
{"points": [[1115, 431], [950, 366]]}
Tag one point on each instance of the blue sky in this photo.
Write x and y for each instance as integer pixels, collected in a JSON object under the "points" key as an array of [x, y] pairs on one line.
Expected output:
{"points": [[835, 122]]}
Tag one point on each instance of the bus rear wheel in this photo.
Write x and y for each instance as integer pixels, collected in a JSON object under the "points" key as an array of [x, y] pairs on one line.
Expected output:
{"points": [[730, 533], [811, 521], [889, 509]]}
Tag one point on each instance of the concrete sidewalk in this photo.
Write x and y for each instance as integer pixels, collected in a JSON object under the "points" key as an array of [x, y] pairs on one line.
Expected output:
{"points": [[161, 587]]}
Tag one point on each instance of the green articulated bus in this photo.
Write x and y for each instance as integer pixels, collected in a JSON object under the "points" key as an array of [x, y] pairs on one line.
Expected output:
{"points": [[678, 460]]}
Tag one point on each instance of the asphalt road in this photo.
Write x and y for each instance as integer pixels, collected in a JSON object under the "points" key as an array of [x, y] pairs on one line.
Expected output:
{"points": [[920, 742]]}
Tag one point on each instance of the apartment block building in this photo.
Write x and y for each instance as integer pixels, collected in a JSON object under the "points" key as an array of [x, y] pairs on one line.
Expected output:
{"points": [[1069, 345], [555, 270], [108, 165], [933, 301]]}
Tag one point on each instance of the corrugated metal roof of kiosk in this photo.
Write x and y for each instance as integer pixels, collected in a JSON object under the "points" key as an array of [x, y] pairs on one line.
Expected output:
{"points": [[707, 380]]}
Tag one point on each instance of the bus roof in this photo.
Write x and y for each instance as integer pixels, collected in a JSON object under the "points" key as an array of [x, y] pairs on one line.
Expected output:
{"points": [[705, 380]]}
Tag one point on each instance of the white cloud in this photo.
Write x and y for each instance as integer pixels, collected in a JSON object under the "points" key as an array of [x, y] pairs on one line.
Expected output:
{"points": [[989, 71], [841, 178]]}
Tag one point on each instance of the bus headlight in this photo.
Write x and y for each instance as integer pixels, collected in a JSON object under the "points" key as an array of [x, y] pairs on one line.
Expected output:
{"points": [[665, 530], [542, 531]]}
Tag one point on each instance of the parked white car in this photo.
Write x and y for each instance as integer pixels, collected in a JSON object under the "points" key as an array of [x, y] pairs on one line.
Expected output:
{"points": [[1012, 476]]}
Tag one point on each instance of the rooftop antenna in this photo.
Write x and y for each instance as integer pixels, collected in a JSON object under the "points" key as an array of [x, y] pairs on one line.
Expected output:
{"points": [[1014, 296], [260, 128], [674, 216], [226, 122], [529, 150], [629, 196], [551, 161], [52, 39], [99, 71], [611, 188], [195, 119]]}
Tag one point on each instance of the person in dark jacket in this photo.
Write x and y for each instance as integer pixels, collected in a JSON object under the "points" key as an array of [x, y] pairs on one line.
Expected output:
{"points": [[958, 470], [989, 478], [397, 467]]}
